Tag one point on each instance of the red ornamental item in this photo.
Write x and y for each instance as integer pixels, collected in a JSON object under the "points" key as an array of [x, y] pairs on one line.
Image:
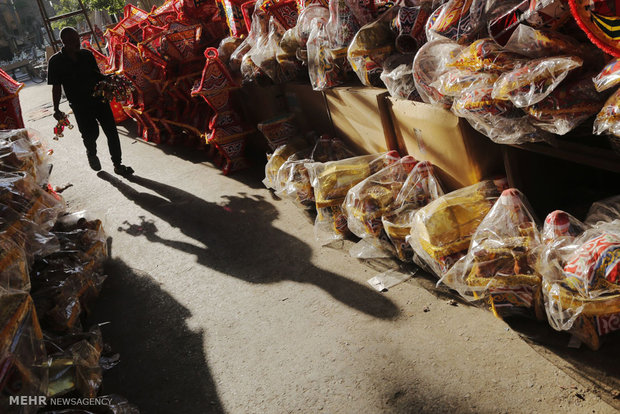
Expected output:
{"points": [[234, 17], [60, 127], [600, 21], [284, 11], [227, 134], [10, 109]]}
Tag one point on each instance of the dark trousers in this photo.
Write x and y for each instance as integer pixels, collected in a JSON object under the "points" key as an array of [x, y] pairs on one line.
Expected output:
{"points": [[87, 114]]}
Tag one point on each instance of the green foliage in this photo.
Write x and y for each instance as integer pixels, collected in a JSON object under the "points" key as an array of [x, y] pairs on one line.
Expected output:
{"points": [[66, 6], [111, 6]]}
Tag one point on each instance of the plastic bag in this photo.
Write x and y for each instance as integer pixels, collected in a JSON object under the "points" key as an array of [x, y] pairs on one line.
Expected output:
{"points": [[332, 180], [227, 47], [499, 269], [74, 364], [459, 20], [286, 55], [343, 24], [608, 119], [533, 81], [456, 81], [66, 283], [264, 53], [371, 198], [22, 353], [581, 281], [293, 176], [304, 22], [566, 107], [420, 188], [499, 120], [485, 55], [14, 264], [603, 211], [370, 47], [442, 230], [397, 76], [28, 213], [540, 43], [609, 76], [326, 67], [277, 159], [21, 150], [429, 63]]}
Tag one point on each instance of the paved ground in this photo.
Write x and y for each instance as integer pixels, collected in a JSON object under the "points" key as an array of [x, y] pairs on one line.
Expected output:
{"points": [[220, 300]]}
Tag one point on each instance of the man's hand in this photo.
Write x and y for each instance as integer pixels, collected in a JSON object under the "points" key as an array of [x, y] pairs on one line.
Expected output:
{"points": [[58, 115]]}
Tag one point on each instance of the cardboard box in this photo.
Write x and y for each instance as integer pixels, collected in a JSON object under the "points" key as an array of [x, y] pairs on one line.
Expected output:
{"points": [[361, 118], [309, 108], [462, 155]]}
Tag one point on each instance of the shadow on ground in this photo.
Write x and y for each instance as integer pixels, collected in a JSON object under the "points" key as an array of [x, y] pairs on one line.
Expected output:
{"points": [[163, 367], [238, 239]]}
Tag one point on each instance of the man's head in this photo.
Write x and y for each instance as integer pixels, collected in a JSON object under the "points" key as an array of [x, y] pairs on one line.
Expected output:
{"points": [[70, 39]]}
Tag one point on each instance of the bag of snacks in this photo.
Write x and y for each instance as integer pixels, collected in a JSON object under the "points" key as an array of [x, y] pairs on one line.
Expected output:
{"points": [[566, 107], [531, 82], [331, 182], [456, 81], [441, 231], [609, 76], [485, 55], [459, 20], [373, 197], [397, 76], [499, 269], [581, 277], [429, 63], [420, 188], [608, 119], [277, 159]]}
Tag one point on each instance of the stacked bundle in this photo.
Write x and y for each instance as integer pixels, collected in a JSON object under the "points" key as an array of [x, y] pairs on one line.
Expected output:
{"points": [[52, 271]]}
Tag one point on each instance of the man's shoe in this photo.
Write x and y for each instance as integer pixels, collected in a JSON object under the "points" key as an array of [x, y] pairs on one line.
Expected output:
{"points": [[94, 163], [123, 170]]}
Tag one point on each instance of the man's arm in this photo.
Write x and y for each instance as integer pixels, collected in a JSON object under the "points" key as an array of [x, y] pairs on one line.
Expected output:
{"points": [[56, 94], [52, 79]]}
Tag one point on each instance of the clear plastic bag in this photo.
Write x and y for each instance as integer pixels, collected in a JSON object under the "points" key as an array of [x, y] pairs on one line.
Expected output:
{"points": [[227, 47], [429, 63], [499, 120], [23, 356], [343, 23], [459, 20], [608, 119], [276, 160], [486, 55], [456, 81], [264, 54], [370, 47], [397, 76], [370, 199], [609, 76], [540, 43], [22, 150], [28, 213], [326, 66], [581, 279], [66, 283], [420, 188], [293, 178], [499, 269], [74, 363], [14, 264], [566, 107], [604, 211], [533, 81], [441, 231], [304, 22], [332, 180]]}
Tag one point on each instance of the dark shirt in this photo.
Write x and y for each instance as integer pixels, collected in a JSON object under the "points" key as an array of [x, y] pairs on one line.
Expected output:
{"points": [[77, 77]]}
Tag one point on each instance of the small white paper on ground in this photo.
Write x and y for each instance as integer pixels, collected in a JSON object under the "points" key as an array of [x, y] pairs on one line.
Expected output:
{"points": [[384, 281]]}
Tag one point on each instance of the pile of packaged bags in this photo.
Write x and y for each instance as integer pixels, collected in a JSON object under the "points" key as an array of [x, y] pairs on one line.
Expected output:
{"points": [[52, 272], [483, 241]]}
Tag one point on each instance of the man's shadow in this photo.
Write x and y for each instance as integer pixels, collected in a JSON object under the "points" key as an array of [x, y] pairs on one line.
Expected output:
{"points": [[238, 239]]}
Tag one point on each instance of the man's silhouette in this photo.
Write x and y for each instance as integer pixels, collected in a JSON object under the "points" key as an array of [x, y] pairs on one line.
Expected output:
{"points": [[76, 71]]}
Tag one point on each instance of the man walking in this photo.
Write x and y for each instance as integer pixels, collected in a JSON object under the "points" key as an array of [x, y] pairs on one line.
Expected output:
{"points": [[76, 70]]}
